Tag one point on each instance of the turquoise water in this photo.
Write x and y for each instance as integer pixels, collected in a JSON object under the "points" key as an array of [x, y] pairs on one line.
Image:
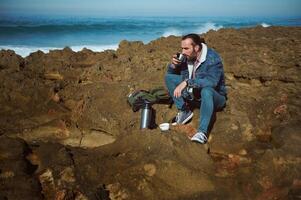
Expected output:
{"points": [[28, 34]]}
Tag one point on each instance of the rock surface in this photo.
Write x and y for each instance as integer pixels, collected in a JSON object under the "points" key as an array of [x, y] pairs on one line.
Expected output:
{"points": [[68, 133]]}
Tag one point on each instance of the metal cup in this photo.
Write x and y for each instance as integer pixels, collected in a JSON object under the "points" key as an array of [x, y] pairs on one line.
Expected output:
{"points": [[181, 57]]}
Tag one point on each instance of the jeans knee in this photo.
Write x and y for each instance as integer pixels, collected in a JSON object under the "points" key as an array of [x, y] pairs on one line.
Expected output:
{"points": [[206, 92]]}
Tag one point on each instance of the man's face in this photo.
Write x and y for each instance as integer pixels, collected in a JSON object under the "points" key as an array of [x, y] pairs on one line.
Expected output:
{"points": [[189, 49]]}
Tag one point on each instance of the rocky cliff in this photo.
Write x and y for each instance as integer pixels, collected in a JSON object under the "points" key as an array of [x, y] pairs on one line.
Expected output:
{"points": [[68, 133]]}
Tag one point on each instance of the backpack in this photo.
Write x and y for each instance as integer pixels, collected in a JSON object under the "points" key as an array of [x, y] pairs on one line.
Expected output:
{"points": [[138, 98]]}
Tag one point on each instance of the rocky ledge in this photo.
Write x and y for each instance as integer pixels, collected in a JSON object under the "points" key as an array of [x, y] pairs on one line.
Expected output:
{"points": [[68, 133]]}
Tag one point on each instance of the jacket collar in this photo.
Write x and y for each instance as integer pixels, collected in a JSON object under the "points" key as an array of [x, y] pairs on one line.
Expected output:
{"points": [[203, 53], [202, 57]]}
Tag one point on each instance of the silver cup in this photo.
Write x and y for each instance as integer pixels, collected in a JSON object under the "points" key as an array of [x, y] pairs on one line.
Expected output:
{"points": [[181, 57]]}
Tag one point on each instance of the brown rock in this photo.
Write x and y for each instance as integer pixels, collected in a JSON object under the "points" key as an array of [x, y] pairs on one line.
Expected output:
{"points": [[150, 169], [10, 60], [7, 174], [33, 159], [188, 130], [262, 116], [116, 192], [53, 76], [56, 97], [67, 175], [47, 183]]}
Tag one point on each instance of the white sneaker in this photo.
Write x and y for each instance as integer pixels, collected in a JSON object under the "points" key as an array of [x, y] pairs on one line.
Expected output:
{"points": [[199, 137]]}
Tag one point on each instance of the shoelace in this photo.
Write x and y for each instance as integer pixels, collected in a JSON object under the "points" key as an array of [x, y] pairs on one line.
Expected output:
{"points": [[203, 137]]}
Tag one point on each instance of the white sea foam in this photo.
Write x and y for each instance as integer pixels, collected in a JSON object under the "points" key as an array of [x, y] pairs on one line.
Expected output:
{"points": [[207, 27], [26, 50], [172, 31], [265, 25], [202, 29], [96, 48]]}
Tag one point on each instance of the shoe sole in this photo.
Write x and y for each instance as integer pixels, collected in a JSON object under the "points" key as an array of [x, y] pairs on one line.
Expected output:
{"points": [[203, 139], [185, 121], [197, 140]]}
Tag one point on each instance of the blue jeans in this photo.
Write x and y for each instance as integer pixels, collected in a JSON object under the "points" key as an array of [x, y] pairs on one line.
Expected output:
{"points": [[210, 100]]}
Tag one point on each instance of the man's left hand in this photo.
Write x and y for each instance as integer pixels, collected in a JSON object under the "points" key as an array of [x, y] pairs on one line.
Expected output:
{"points": [[178, 91]]}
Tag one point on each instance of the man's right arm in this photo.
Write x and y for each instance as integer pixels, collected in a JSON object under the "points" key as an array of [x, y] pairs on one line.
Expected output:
{"points": [[173, 67]]}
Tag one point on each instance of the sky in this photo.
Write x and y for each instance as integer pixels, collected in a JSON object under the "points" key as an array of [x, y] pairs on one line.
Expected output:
{"points": [[268, 8]]}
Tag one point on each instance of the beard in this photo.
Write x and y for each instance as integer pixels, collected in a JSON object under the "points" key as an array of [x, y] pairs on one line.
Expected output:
{"points": [[192, 58]]}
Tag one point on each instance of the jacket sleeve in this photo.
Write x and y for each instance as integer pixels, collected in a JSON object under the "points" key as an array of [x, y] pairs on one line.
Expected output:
{"points": [[209, 78], [179, 70], [171, 69]]}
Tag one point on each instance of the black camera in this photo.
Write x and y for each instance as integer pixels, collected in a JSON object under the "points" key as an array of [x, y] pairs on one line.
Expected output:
{"points": [[181, 57]]}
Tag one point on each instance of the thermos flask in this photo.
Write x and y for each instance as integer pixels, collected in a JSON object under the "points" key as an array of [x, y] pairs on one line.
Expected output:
{"points": [[146, 115]]}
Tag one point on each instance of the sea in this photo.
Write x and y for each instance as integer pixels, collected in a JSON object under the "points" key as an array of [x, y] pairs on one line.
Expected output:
{"points": [[25, 35]]}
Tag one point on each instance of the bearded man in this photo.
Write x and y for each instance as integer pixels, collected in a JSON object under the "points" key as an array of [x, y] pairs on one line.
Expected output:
{"points": [[199, 77]]}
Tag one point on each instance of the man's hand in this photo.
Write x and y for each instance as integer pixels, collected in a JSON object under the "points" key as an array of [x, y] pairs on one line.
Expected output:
{"points": [[178, 91], [175, 61]]}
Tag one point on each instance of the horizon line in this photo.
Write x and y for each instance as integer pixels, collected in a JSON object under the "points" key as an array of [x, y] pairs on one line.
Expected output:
{"points": [[146, 16]]}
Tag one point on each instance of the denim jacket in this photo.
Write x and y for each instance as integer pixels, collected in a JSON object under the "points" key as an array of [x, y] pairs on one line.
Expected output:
{"points": [[209, 73]]}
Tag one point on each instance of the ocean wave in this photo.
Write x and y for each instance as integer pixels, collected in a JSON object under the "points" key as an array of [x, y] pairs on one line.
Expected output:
{"points": [[265, 25], [96, 48], [172, 31], [201, 29], [26, 50], [207, 27]]}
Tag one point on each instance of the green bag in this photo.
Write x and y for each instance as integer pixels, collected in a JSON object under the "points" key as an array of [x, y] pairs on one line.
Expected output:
{"points": [[138, 98]]}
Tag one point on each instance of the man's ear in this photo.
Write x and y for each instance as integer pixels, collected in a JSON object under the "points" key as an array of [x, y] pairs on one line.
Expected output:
{"points": [[197, 47]]}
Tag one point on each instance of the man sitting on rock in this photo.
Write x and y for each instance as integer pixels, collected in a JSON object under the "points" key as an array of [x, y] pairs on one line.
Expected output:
{"points": [[199, 77]]}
